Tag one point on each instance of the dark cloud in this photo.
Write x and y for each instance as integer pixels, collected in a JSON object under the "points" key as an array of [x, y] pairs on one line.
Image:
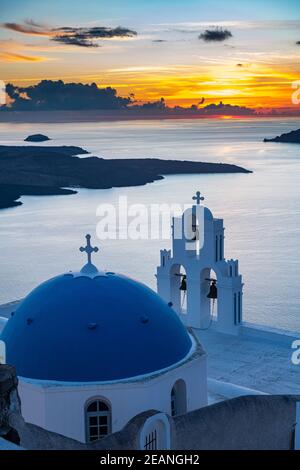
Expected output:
{"points": [[56, 95], [84, 37], [215, 35], [74, 41], [239, 65], [29, 27], [159, 40]]}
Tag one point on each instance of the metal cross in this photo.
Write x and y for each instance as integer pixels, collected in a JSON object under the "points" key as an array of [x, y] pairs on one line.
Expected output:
{"points": [[89, 249], [198, 198]]}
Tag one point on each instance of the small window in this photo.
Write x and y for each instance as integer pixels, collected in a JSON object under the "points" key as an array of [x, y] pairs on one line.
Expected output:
{"points": [[216, 249], [221, 247], [173, 404], [235, 309], [98, 420]]}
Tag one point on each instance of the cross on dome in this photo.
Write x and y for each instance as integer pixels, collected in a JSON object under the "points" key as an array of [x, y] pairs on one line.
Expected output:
{"points": [[89, 249], [198, 198]]}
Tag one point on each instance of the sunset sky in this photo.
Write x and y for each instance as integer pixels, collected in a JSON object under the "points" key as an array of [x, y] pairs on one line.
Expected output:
{"points": [[255, 66]]}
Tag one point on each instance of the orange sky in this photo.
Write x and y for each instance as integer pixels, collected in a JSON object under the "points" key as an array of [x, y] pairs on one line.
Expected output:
{"points": [[253, 85], [255, 67]]}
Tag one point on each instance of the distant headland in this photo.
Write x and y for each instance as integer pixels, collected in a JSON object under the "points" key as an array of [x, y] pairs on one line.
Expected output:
{"points": [[292, 137], [38, 170]]}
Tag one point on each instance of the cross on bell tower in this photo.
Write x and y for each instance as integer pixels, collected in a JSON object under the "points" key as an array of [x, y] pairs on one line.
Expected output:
{"points": [[89, 249], [198, 198]]}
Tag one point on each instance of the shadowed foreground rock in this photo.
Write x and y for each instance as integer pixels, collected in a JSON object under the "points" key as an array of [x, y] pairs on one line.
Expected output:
{"points": [[9, 402]]}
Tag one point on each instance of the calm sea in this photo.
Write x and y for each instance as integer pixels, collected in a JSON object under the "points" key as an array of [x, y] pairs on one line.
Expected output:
{"points": [[261, 210]]}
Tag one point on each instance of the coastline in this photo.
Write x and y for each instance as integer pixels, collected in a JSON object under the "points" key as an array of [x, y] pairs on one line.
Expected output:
{"points": [[43, 170]]}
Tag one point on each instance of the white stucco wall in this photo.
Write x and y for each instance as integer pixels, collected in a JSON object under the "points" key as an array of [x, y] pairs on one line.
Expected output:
{"points": [[60, 407], [32, 402]]}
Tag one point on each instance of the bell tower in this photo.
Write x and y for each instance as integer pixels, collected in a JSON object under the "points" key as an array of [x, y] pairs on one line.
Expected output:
{"points": [[205, 289]]}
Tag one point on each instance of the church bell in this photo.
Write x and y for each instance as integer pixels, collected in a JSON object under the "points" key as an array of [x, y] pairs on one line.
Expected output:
{"points": [[213, 291], [183, 284]]}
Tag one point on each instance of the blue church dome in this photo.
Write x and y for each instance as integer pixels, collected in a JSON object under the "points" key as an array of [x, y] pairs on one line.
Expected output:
{"points": [[93, 326]]}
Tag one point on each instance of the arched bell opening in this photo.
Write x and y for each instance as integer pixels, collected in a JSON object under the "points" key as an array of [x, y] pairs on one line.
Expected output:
{"points": [[191, 230], [178, 279], [209, 294]]}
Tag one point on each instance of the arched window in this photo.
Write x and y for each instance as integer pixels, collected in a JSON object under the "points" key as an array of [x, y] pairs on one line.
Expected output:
{"points": [[178, 398], [98, 420], [217, 249]]}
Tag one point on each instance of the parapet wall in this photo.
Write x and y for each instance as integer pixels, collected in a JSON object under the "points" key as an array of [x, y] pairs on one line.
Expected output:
{"points": [[248, 422]]}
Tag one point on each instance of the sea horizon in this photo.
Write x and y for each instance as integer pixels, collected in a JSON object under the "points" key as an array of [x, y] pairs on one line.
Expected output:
{"points": [[69, 116]]}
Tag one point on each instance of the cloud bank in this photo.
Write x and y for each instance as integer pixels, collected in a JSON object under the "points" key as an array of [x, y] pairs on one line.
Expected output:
{"points": [[51, 95]]}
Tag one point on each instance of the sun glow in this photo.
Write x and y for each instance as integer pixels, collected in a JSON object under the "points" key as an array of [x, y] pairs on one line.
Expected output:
{"points": [[250, 72], [260, 87]]}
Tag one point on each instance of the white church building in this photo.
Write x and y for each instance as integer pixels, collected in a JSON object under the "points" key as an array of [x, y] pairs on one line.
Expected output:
{"points": [[203, 287], [93, 349]]}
